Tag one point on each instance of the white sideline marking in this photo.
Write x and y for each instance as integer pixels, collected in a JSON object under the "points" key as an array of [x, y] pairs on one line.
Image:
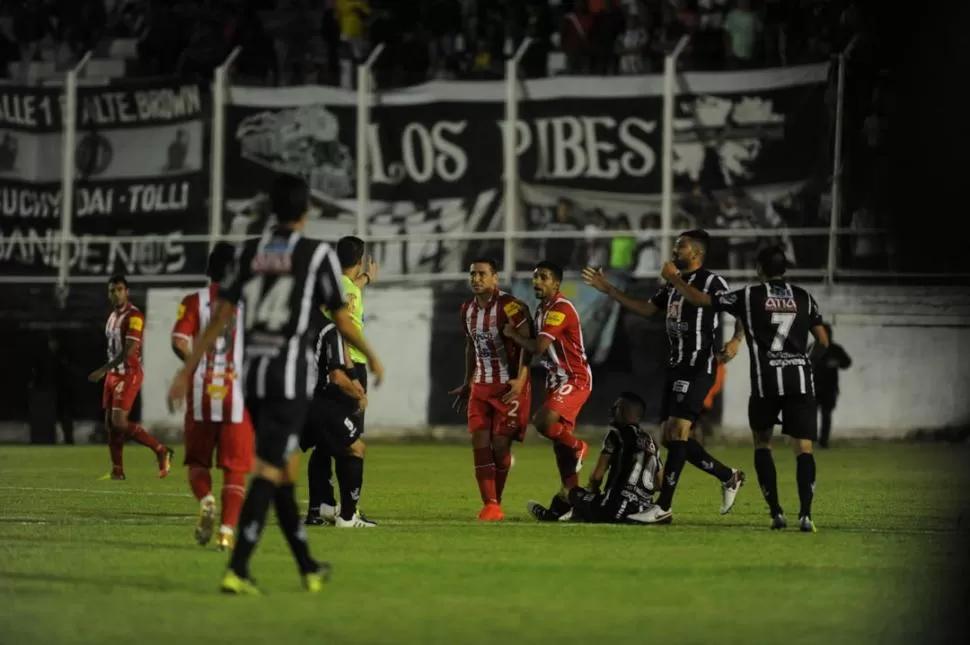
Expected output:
{"points": [[95, 491]]}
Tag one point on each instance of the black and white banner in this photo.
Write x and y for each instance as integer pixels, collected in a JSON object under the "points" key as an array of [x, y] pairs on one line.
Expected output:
{"points": [[140, 170], [436, 159]]}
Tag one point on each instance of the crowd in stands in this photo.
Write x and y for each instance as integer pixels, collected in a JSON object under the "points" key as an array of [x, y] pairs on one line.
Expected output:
{"points": [[287, 42]]}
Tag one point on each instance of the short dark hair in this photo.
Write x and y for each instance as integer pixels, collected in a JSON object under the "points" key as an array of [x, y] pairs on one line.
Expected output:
{"points": [[772, 261], [701, 237], [350, 251], [639, 405], [289, 198], [220, 259], [551, 267], [492, 264], [118, 278]]}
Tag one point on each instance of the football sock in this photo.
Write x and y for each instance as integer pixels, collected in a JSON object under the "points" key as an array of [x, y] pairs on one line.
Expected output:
{"points": [[233, 491], [200, 480], [116, 446], [289, 518], [140, 435], [764, 465], [484, 474], [503, 462], [560, 433], [805, 475], [252, 519], [703, 460], [676, 458], [566, 464], [350, 477], [319, 476]]}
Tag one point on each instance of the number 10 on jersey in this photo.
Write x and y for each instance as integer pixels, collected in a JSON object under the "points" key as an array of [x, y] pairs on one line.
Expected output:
{"points": [[268, 309]]}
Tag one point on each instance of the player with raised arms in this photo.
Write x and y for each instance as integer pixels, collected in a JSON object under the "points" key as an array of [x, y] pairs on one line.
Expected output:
{"points": [[496, 386], [569, 380], [777, 317], [216, 418], [123, 375]]}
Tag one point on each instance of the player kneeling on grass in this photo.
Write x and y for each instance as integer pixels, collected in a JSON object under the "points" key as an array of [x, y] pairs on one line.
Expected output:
{"points": [[631, 464], [334, 425]]}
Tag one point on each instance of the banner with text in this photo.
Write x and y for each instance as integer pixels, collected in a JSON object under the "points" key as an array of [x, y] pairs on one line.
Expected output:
{"points": [[141, 169], [436, 163]]}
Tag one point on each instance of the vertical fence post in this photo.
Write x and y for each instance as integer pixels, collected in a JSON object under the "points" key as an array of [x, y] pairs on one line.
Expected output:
{"points": [[836, 214], [68, 167], [365, 89], [217, 151], [510, 161], [667, 157]]}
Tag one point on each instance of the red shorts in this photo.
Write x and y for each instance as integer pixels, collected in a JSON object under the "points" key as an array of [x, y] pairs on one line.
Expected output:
{"points": [[566, 401], [234, 442], [120, 390], [486, 411]]}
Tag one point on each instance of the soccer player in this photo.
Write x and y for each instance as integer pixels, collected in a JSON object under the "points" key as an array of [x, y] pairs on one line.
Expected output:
{"points": [[690, 369], [631, 463], [123, 374], [358, 271], [282, 276], [215, 415], [777, 317], [497, 385], [568, 378], [334, 424]]}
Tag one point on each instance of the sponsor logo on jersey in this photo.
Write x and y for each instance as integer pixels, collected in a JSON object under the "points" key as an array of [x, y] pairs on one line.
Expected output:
{"points": [[775, 303]]}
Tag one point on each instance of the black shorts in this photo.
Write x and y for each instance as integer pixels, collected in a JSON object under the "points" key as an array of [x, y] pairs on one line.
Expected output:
{"points": [[277, 424], [799, 415], [594, 507], [331, 425], [684, 393]]}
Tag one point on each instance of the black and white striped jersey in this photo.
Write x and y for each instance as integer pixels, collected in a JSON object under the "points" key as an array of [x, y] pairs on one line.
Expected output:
{"points": [[777, 318], [283, 277], [691, 330], [633, 465], [331, 355]]}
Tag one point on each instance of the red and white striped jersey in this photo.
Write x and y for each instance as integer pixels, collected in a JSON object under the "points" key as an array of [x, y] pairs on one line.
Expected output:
{"points": [[216, 394], [496, 356], [123, 325], [565, 359]]}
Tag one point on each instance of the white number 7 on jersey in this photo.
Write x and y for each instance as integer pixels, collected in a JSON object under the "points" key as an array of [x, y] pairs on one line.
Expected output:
{"points": [[784, 323], [270, 310]]}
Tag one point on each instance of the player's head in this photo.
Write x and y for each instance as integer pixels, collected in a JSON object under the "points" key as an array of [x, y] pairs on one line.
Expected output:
{"points": [[118, 290], [772, 262], [290, 200], [350, 252], [220, 260], [690, 248], [546, 279], [628, 409], [483, 276]]}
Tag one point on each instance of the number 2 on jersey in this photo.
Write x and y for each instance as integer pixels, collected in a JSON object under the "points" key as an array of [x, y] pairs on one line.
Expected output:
{"points": [[269, 310], [783, 322]]}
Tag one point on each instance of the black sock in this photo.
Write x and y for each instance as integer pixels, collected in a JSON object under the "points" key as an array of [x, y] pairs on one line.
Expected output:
{"points": [[350, 477], [764, 465], [676, 458], [252, 519], [702, 459], [289, 518], [805, 475], [319, 474]]}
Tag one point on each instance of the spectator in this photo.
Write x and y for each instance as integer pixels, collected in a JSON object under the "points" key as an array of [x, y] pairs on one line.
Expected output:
{"points": [[623, 246], [631, 46], [742, 27]]}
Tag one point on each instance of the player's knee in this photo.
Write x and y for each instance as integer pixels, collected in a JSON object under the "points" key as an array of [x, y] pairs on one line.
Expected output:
{"points": [[501, 445], [269, 472], [762, 439], [802, 447], [543, 421], [481, 438], [119, 420], [357, 449]]}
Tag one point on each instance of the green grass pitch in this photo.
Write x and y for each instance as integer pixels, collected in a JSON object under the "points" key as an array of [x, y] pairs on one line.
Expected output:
{"points": [[87, 561]]}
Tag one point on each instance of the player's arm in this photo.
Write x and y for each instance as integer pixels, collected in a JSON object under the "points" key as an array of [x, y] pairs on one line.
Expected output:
{"points": [[845, 362], [691, 294], [817, 327], [645, 308], [133, 336], [335, 365], [599, 472], [368, 275], [518, 316], [185, 328], [730, 349], [533, 345], [469, 362]]}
